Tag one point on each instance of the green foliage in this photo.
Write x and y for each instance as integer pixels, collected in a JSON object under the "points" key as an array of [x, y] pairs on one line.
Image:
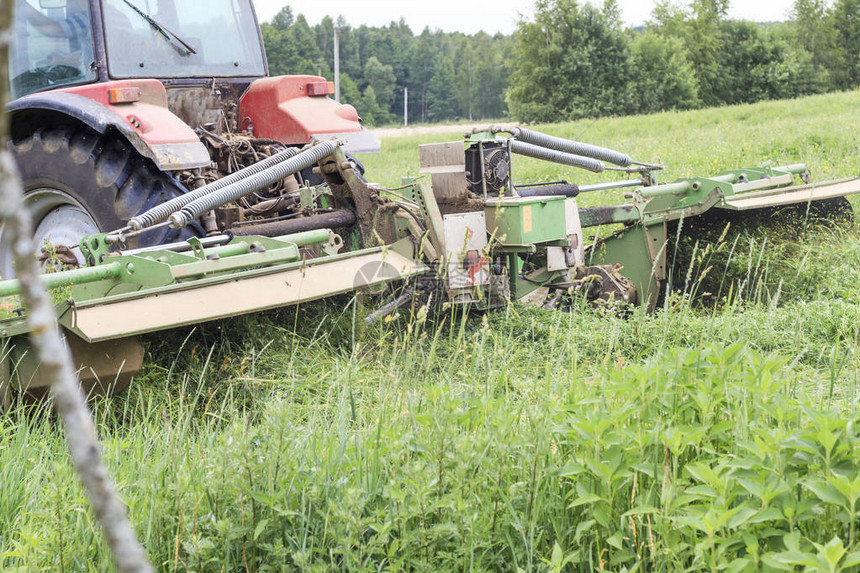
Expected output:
{"points": [[761, 65], [571, 62], [390, 59], [814, 32], [291, 50], [381, 81], [846, 17], [719, 433], [350, 94], [521, 440], [283, 19], [685, 58], [662, 76], [441, 91], [369, 107], [481, 77]]}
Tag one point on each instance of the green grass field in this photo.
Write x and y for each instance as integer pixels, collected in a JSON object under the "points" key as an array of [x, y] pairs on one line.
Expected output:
{"points": [[715, 434]]}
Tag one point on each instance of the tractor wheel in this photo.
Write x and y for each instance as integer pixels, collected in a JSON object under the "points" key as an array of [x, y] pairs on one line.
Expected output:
{"points": [[78, 182]]}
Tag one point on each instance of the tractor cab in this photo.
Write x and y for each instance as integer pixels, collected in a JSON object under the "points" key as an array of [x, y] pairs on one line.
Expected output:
{"points": [[207, 54], [72, 42]]}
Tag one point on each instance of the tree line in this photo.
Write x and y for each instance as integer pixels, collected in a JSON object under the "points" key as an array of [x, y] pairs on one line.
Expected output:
{"points": [[572, 59], [448, 75]]}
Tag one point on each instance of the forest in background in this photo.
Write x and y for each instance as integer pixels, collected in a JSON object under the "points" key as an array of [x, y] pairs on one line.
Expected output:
{"points": [[571, 60]]}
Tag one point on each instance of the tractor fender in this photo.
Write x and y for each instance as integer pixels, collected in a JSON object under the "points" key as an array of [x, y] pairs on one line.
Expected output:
{"points": [[296, 109], [137, 109]]}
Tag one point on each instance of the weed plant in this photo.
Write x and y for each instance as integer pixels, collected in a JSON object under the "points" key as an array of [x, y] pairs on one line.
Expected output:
{"points": [[718, 433]]}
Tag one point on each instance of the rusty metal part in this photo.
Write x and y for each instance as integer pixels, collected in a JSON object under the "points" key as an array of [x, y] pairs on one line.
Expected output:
{"points": [[253, 182], [206, 102], [596, 216], [566, 190], [334, 220], [234, 152], [351, 192], [59, 257], [290, 202], [228, 216], [602, 285]]}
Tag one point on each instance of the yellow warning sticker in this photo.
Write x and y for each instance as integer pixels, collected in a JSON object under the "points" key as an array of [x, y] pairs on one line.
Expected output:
{"points": [[527, 219]]}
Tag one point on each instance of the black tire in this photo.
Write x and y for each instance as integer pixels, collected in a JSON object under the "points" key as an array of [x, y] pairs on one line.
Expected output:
{"points": [[102, 173]]}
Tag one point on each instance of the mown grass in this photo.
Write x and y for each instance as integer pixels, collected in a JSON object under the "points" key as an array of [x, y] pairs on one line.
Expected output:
{"points": [[717, 433]]}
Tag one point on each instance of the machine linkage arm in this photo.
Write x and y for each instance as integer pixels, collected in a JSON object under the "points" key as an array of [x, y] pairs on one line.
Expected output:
{"points": [[180, 262], [692, 196]]}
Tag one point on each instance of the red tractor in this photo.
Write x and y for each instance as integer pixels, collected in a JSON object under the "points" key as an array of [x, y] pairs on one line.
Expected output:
{"points": [[123, 104]]}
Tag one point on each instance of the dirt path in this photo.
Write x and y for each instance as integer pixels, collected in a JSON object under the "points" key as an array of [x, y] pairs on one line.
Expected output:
{"points": [[422, 129]]}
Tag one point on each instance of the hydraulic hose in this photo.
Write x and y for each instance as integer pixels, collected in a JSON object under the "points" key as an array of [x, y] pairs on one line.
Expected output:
{"points": [[161, 212], [554, 156], [254, 182], [570, 146]]}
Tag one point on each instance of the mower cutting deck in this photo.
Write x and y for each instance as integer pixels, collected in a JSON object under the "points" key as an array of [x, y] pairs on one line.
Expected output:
{"points": [[463, 233]]}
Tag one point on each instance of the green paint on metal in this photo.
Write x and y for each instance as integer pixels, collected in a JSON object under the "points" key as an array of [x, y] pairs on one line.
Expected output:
{"points": [[153, 269], [679, 188], [482, 137], [307, 195], [526, 220], [521, 229], [424, 196], [68, 278], [524, 283], [306, 238], [95, 248], [641, 253], [226, 264]]}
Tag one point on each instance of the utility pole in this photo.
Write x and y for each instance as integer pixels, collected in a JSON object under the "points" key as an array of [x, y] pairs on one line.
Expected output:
{"points": [[337, 64], [405, 106]]}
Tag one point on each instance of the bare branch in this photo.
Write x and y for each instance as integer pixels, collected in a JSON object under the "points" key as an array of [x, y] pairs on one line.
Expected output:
{"points": [[56, 361]]}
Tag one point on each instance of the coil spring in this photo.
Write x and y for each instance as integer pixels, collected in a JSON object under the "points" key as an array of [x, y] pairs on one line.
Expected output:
{"points": [[569, 146], [254, 182], [163, 211], [530, 150]]}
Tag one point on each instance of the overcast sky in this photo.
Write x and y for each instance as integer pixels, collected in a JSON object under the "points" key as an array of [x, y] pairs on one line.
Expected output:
{"points": [[469, 16]]}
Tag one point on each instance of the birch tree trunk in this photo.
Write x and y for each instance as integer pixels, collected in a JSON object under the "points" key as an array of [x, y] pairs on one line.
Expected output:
{"points": [[56, 362]]}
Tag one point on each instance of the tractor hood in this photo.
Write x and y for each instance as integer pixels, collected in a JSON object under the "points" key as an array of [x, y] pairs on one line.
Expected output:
{"points": [[296, 109]]}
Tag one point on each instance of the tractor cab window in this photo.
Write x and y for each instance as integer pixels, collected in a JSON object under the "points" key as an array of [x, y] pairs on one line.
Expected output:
{"points": [[181, 39], [53, 45]]}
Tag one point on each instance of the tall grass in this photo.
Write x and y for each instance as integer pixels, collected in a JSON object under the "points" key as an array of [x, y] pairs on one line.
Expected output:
{"points": [[480, 444], [819, 131], [716, 433]]}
